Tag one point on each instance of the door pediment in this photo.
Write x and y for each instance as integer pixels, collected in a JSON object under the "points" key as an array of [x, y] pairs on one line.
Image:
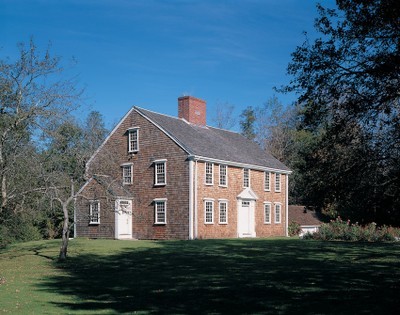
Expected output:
{"points": [[248, 193]]}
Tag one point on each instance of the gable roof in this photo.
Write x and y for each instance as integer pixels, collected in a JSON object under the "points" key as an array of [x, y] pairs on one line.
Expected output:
{"points": [[211, 143], [308, 217]]}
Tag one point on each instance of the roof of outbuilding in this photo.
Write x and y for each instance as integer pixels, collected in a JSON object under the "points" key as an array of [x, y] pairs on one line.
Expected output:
{"points": [[304, 217], [213, 143]]}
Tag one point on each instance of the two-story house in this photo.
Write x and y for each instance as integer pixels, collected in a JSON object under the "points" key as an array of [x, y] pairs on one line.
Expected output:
{"points": [[162, 177]]}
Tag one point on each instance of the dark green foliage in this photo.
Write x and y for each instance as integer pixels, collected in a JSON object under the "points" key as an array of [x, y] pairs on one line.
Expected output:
{"points": [[346, 231], [294, 228], [348, 82]]}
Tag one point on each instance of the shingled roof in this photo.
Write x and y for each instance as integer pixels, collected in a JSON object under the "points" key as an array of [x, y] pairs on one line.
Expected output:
{"points": [[213, 143], [304, 217]]}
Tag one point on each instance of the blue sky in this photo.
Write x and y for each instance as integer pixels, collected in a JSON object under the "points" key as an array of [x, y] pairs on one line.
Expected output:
{"points": [[149, 52]]}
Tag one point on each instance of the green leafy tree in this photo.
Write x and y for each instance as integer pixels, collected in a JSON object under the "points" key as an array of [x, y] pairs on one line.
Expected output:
{"points": [[348, 82]]}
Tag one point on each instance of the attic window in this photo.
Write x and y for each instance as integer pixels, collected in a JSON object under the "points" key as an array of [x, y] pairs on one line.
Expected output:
{"points": [[133, 140]]}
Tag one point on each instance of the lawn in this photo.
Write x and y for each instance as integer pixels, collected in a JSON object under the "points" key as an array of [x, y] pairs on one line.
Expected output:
{"points": [[246, 276]]}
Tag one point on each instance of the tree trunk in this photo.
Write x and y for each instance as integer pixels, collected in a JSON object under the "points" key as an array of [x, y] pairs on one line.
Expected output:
{"points": [[65, 233]]}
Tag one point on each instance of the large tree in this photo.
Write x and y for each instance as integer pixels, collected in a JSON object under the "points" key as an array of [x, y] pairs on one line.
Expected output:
{"points": [[35, 96], [348, 83]]}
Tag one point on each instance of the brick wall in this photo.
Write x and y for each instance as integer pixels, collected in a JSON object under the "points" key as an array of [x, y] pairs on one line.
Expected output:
{"points": [[230, 193]]}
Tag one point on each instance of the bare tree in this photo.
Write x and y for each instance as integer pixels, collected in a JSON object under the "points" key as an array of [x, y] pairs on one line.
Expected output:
{"points": [[224, 116], [33, 95]]}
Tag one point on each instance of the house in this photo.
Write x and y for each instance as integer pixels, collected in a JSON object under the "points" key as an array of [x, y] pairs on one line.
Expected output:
{"points": [[162, 177], [309, 220]]}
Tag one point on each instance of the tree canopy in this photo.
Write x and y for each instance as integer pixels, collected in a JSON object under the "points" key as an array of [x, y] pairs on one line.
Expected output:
{"points": [[348, 83]]}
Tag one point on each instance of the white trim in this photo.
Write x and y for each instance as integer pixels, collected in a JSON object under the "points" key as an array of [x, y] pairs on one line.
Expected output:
{"points": [[287, 206], [196, 219], [239, 165], [226, 175], [269, 180], [225, 201], [278, 175], [91, 203], [211, 200], [280, 213], [164, 201], [205, 173], [158, 162], [270, 212], [191, 200]]}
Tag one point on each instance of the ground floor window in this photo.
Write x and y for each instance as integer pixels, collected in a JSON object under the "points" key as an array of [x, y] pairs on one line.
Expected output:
{"points": [[267, 213], [160, 209], [223, 212], [278, 208], [94, 212], [209, 212]]}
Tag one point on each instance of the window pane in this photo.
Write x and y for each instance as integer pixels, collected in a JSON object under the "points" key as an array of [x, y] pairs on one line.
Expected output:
{"points": [[127, 174], [267, 181], [277, 182], [209, 173], [223, 212], [160, 173], [222, 175], [246, 177], [133, 140], [267, 213], [278, 213], [160, 212], [209, 212]]}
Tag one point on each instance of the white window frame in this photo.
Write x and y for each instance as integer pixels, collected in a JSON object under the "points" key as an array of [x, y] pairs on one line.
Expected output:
{"points": [[223, 175], [133, 139], [267, 209], [157, 181], [209, 173], [278, 213], [267, 181], [158, 202], [91, 208], [220, 203], [125, 177], [208, 202], [278, 182], [246, 178]]}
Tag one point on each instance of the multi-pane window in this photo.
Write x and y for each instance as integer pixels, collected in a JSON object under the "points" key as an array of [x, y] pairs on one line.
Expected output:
{"points": [[278, 213], [133, 140], [246, 177], [223, 212], [94, 212], [209, 173], [277, 182], [223, 181], [267, 213], [160, 172], [267, 181], [160, 208], [209, 212], [127, 174]]}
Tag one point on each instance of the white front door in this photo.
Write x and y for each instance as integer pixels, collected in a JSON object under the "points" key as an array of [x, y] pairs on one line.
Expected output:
{"points": [[246, 226], [123, 219]]}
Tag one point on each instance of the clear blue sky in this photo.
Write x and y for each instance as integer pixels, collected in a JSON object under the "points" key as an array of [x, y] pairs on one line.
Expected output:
{"points": [[150, 52]]}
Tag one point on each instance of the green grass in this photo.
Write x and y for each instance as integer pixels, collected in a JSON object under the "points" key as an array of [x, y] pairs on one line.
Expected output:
{"points": [[251, 276]]}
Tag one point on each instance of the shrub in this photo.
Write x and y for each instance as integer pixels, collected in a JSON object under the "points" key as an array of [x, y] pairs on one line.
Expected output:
{"points": [[346, 231], [294, 229]]}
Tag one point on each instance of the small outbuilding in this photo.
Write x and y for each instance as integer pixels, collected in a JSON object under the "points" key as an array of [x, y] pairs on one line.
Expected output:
{"points": [[309, 220]]}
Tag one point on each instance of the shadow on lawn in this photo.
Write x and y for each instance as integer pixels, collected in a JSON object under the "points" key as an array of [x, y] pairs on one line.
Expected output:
{"points": [[235, 277]]}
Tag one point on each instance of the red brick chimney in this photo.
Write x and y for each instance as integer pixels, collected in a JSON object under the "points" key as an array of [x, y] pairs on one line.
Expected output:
{"points": [[192, 110]]}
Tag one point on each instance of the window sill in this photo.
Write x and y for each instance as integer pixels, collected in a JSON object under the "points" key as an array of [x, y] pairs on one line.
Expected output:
{"points": [[223, 186], [224, 223], [160, 224], [94, 223], [160, 185]]}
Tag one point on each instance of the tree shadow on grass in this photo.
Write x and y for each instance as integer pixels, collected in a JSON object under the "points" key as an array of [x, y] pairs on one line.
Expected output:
{"points": [[235, 277]]}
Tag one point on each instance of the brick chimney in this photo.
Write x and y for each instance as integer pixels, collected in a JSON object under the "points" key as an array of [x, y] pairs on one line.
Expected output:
{"points": [[192, 110]]}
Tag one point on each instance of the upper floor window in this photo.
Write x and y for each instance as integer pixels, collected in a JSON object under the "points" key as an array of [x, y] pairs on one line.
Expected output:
{"points": [[277, 182], [246, 177], [133, 139], [209, 212], [160, 211], [267, 181], [278, 207], [127, 174], [94, 212], [209, 173], [267, 213], [160, 167], [223, 175], [223, 211]]}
